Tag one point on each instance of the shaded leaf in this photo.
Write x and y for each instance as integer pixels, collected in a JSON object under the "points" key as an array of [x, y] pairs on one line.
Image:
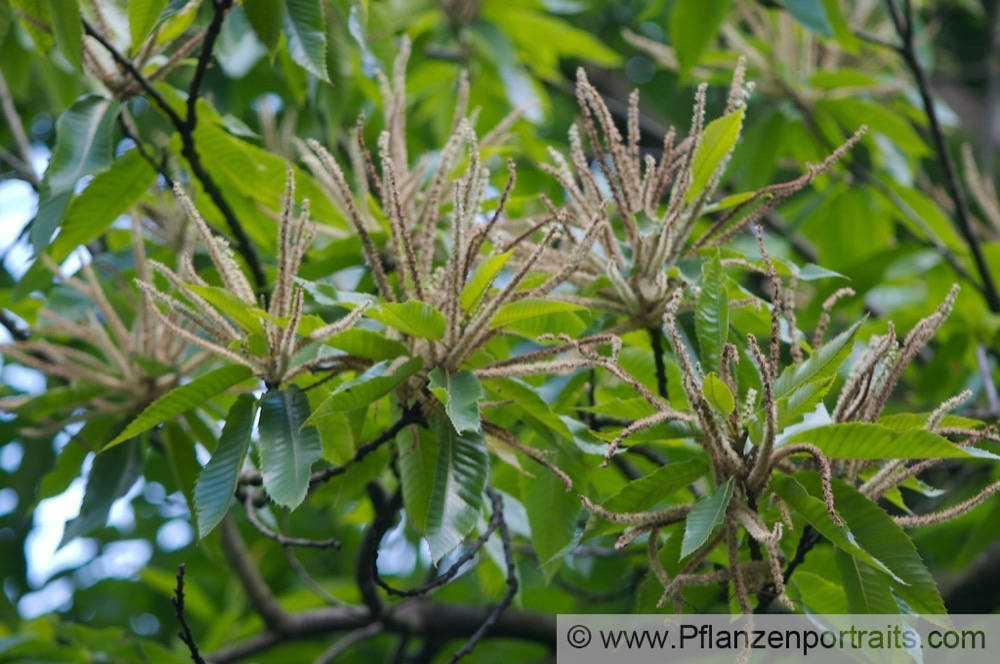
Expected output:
{"points": [[265, 17], [217, 482], [644, 493], [110, 478], [811, 14], [706, 514], [305, 30], [68, 29], [459, 481], [417, 463], [288, 448], [552, 515]]}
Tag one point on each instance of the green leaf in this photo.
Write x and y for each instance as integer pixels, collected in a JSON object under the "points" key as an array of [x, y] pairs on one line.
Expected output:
{"points": [[110, 478], [459, 481], [841, 28], [717, 143], [706, 514], [813, 510], [68, 30], [224, 300], [824, 362], [693, 26], [860, 440], [649, 490], [460, 393], [718, 394], [305, 29], [34, 15], [711, 314], [417, 463], [867, 591], [481, 279], [182, 399], [108, 196], [529, 307], [184, 466], [527, 403], [366, 344], [552, 514], [879, 535], [213, 492], [379, 380], [413, 318], [288, 447], [84, 140], [803, 400], [142, 16], [811, 14], [265, 18]]}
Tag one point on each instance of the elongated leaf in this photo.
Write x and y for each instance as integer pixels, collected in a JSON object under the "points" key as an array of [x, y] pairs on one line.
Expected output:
{"points": [[811, 14], [84, 138], [108, 196], [459, 481], [414, 318], [552, 515], [460, 393], [110, 478], [649, 490], [229, 304], [184, 466], [481, 279], [529, 307], [379, 380], [265, 18], [711, 314], [693, 26], [68, 29], [803, 400], [366, 344], [813, 510], [824, 362], [879, 535], [860, 440], [182, 399], [718, 394], [217, 482], [706, 514], [717, 143], [142, 16], [306, 33], [527, 402], [417, 464], [34, 15], [867, 591], [288, 448]]}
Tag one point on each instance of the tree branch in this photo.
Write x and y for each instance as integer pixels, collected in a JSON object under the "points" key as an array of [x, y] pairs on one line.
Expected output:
{"points": [[904, 24], [184, 633], [261, 598], [283, 540], [185, 129]]}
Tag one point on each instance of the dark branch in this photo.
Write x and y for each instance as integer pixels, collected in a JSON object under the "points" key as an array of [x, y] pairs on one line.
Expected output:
{"points": [[656, 339], [284, 540], [904, 24], [17, 332], [184, 633], [449, 574], [508, 554], [257, 590], [185, 128]]}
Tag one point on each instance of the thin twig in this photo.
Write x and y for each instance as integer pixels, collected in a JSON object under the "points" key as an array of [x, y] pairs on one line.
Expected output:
{"points": [[656, 339], [337, 649], [284, 540], [184, 633], [508, 597]]}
